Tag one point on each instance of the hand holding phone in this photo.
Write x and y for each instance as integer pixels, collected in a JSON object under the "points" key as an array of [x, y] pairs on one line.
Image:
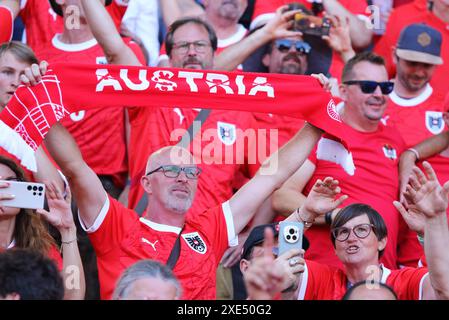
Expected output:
{"points": [[27, 195], [290, 235]]}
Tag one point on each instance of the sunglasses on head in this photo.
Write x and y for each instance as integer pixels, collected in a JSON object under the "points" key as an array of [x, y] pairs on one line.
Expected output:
{"points": [[370, 86], [284, 45]]}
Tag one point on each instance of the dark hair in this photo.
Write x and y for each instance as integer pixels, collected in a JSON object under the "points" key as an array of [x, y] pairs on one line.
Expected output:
{"points": [[30, 274], [359, 209], [30, 231], [20, 51], [348, 293], [180, 22], [360, 57]]}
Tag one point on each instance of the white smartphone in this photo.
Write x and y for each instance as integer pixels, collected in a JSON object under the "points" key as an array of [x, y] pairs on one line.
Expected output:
{"points": [[28, 195], [290, 235]]}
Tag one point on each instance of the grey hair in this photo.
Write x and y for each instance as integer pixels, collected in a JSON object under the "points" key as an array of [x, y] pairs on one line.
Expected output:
{"points": [[141, 270]]}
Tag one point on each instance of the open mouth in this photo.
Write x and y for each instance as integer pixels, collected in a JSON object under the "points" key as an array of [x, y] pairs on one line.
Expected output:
{"points": [[352, 249]]}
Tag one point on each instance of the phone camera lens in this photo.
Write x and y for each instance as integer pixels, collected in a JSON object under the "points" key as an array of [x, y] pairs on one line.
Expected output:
{"points": [[34, 193], [294, 238], [35, 188], [288, 237], [291, 231], [41, 188], [29, 188]]}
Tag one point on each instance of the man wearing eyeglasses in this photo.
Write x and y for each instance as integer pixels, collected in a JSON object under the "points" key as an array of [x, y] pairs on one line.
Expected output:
{"points": [[375, 151]]}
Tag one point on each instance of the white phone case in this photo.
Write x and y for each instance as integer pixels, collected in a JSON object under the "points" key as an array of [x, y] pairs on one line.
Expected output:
{"points": [[28, 195]]}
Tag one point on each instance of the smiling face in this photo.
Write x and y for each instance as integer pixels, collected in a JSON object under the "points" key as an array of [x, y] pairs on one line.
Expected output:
{"points": [[10, 70], [365, 106], [413, 75], [356, 251], [286, 60]]}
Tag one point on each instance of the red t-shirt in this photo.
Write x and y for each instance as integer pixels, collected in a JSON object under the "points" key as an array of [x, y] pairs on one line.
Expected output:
{"points": [[117, 10], [100, 134], [375, 182], [415, 13], [120, 238], [323, 282], [41, 23], [419, 119], [220, 148], [6, 24]]}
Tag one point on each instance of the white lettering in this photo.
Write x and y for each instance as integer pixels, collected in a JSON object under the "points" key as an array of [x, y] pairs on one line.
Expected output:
{"points": [[260, 84], [190, 79], [211, 80], [144, 83], [164, 84], [240, 84], [106, 80]]}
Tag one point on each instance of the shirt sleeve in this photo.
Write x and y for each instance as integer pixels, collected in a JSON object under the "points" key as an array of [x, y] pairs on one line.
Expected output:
{"points": [[110, 226], [6, 24], [407, 283]]}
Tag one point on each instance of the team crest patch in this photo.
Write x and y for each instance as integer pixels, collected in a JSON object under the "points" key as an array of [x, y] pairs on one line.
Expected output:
{"points": [[390, 152], [226, 132], [434, 122], [195, 242]]}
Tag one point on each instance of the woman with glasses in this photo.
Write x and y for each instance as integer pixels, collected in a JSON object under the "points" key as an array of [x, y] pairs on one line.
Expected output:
{"points": [[359, 236]]}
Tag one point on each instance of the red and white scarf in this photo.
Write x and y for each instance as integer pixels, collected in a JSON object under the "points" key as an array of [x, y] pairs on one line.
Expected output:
{"points": [[68, 88]]}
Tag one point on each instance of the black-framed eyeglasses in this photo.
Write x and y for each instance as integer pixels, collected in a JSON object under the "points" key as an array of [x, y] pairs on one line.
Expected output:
{"points": [[361, 231], [370, 86], [184, 46], [173, 171], [284, 45]]}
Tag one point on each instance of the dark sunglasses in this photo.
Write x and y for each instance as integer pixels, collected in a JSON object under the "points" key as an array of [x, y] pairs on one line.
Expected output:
{"points": [[370, 86], [284, 45]]}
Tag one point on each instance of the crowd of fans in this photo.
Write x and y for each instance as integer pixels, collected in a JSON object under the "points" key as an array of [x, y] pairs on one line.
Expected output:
{"points": [[133, 212]]}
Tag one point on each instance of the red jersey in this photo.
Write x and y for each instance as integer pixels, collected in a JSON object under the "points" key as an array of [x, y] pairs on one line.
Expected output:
{"points": [[375, 182], [100, 134], [322, 282], [220, 148], [418, 119], [120, 238], [403, 16], [6, 24], [41, 23], [117, 10]]}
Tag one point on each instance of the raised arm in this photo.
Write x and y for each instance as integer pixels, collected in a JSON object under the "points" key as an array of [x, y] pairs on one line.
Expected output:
{"points": [[289, 197], [424, 193], [84, 183], [230, 58], [421, 151], [360, 35], [272, 174], [60, 216], [103, 28]]}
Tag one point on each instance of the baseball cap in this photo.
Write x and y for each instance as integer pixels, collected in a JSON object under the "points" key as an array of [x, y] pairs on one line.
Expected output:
{"points": [[420, 43], [256, 236], [58, 10]]}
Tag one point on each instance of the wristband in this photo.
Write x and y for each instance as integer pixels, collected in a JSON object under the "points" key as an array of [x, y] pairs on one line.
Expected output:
{"points": [[415, 152], [328, 217]]}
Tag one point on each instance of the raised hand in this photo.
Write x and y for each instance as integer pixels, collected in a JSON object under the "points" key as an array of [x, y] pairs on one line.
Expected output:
{"points": [[32, 75], [60, 215], [323, 197], [280, 26], [264, 278], [339, 38], [425, 194]]}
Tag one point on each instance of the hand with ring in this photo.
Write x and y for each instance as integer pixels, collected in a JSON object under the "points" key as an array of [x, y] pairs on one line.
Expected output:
{"points": [[292, 262]]}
